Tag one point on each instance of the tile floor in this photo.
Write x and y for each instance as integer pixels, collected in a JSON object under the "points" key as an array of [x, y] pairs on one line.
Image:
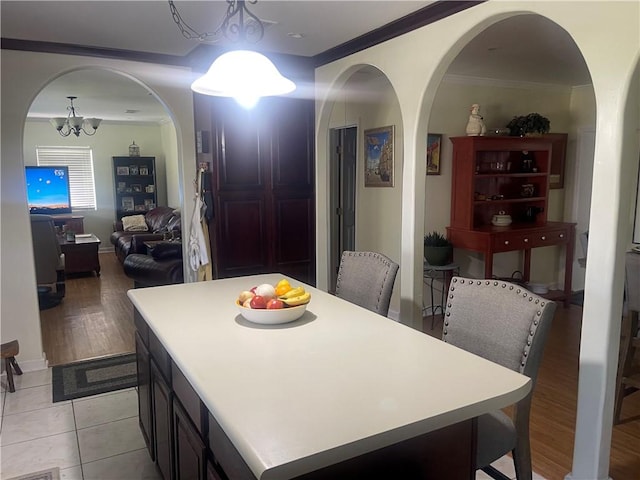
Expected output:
{"points": [[92, 438]]}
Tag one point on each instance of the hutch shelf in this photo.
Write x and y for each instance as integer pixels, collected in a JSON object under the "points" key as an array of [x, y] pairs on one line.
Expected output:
{"points": [[506, 176]]}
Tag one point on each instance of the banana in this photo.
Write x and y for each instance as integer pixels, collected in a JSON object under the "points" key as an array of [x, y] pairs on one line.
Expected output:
{"points": [[299, 300], [294, 292]]}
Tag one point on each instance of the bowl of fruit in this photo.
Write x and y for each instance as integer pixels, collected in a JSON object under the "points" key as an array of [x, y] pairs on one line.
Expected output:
{"points": [[273, 304]]}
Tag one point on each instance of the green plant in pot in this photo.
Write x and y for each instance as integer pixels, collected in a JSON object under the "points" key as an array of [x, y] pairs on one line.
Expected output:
{"points": [[534, 123], [437, 249]]}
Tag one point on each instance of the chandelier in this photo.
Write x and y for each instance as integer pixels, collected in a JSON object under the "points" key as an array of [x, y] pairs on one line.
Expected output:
{"points": [[73, 123], [245, 75]]}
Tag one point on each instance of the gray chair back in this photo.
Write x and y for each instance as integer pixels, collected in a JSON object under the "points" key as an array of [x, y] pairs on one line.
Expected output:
{"points": [[500, 321], [46, 249], [366, 279], [505, 323]]}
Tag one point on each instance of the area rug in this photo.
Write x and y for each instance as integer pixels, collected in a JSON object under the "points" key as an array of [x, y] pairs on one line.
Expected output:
{"points": [[91, 377], [49, 474]]}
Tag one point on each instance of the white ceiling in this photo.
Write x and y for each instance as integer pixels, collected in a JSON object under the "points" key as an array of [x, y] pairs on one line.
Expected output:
{"points": [[539, 51]]}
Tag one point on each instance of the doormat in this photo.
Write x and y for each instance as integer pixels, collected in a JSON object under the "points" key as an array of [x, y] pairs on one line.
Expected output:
{"points": [[49, 474], [91, 377]]}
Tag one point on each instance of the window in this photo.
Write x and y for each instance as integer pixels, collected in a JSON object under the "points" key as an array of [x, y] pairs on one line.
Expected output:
{"points": [[81, 180]]}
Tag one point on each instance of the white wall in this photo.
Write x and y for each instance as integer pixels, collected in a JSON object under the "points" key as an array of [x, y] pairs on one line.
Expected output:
{"points": [[111, 140], [607, 34], [23, 75]]}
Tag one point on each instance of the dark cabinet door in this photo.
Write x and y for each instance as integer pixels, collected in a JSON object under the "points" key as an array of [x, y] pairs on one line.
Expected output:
{"points": [[263, 187], [190, 451], [163, 422], [144, 394]]}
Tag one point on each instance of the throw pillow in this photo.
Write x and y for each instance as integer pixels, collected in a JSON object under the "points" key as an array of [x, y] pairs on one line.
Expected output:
{"points": [[134, 223]]}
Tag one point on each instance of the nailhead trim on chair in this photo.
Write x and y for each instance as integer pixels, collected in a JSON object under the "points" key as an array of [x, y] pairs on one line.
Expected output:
{"points": [[525, 293], [378, 257]]}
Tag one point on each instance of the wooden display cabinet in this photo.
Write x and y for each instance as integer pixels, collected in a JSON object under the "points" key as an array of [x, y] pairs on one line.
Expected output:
{"points": [[509, 176]]}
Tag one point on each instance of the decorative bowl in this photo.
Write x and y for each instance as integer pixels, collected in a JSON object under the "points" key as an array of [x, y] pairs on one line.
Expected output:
{"points": [[501, 220], [272, 317]]}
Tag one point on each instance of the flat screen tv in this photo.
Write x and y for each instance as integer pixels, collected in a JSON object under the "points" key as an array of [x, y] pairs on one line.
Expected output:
{"points": [[48, 190]]}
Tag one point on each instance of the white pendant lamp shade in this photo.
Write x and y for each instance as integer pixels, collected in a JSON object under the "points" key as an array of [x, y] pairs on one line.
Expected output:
{"points": [[244, 75]]}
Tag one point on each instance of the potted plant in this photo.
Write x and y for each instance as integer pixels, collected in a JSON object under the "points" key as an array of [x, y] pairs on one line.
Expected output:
{"points": [[437, 249], [534, 123]]}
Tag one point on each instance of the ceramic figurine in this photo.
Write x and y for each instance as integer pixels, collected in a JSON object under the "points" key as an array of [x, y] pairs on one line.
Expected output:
{"points": [[475, 126]]}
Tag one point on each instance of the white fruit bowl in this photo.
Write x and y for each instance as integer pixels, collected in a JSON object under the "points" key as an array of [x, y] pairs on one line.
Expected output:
{"points": [[272, 317]]}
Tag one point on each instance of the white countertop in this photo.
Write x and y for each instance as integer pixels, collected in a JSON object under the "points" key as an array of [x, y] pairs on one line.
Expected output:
{"points": [[338, 382]]}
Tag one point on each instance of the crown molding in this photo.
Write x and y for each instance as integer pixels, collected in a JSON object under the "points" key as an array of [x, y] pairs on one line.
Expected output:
{"points": [[502, 83]]}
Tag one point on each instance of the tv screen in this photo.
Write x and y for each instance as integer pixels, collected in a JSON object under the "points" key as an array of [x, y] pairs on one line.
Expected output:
{"points": [[48, 190]]}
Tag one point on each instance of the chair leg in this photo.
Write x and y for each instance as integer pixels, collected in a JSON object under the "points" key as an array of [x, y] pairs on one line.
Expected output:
{"points": [[522, 462], [16, 367], [494, 473], [7, 367]]}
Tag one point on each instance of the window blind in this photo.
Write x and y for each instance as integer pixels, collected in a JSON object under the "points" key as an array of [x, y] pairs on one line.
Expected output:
{"points": [[81, 178]]}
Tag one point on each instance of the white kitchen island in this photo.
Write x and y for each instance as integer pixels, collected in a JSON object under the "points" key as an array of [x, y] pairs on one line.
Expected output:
{"points": [[326, 393]]}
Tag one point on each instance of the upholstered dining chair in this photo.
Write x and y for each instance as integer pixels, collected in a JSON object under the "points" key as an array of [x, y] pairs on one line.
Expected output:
{"points": [[49, 261], [628, 377], [366, 279], [506, 324]]}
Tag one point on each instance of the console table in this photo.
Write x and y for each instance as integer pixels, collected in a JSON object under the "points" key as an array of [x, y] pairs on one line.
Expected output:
{"points": [[81, 254], [339, 393], [489, 239]]}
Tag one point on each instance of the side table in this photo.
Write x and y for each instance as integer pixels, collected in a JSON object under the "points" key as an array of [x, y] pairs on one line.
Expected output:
{"points": [[443, 274], [81, 255]]}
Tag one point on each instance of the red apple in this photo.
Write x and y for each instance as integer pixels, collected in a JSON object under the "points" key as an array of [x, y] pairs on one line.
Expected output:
{"points": [[275, 304], [258, 302]]}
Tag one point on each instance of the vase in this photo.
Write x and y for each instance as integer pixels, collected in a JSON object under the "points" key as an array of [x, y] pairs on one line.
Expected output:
{"points": [[438, 256]]}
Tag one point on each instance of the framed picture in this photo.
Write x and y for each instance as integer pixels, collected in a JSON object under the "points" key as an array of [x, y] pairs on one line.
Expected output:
{"points": [[133, 170], [148, 203], [143, 170], [150, 188], [434, 145], [140, 208], [378, 162], [121, 187], [122, 170], [127, 204], [136, 187]]}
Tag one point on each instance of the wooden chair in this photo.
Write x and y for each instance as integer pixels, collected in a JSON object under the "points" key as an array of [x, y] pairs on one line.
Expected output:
{"points": [[628, 377], [506, 324], [366, 279], [8, 352]]}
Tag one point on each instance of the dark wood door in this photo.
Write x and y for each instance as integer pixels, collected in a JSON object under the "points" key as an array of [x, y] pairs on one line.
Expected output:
{"points": [[263, 186], [190, 451], [144, 394], [163, 422]]}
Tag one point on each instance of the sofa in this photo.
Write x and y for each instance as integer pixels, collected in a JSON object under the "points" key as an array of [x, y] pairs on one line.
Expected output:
{"points": [[130, 233]]}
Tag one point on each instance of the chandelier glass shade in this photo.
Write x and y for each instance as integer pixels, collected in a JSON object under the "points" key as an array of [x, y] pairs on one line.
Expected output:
{"points": [[245, 75], [75, 124]]}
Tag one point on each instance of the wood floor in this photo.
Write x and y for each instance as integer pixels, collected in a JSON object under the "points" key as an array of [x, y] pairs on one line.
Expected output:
{"points": [[95, 319], [553, 411]]}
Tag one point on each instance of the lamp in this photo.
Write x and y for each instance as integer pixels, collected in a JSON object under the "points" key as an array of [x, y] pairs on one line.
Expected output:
{"points": [[73, 123], [242, 74]]}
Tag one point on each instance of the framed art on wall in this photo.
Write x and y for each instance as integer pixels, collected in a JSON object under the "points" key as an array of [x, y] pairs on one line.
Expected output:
{"points": [[378, 162], [434, 145]]}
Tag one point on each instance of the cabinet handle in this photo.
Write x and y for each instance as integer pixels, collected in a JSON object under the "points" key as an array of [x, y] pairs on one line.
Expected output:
{"points": [[506, 242], [543, 237], [562, 235], [526, 240]]}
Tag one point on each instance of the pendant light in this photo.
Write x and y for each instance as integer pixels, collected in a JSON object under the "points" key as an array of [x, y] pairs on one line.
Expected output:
{"points": [[245, 75]]}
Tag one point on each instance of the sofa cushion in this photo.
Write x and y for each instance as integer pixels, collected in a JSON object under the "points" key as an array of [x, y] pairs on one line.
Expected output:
{"points": [[158, 218], [134, 223], [167, 250]]}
